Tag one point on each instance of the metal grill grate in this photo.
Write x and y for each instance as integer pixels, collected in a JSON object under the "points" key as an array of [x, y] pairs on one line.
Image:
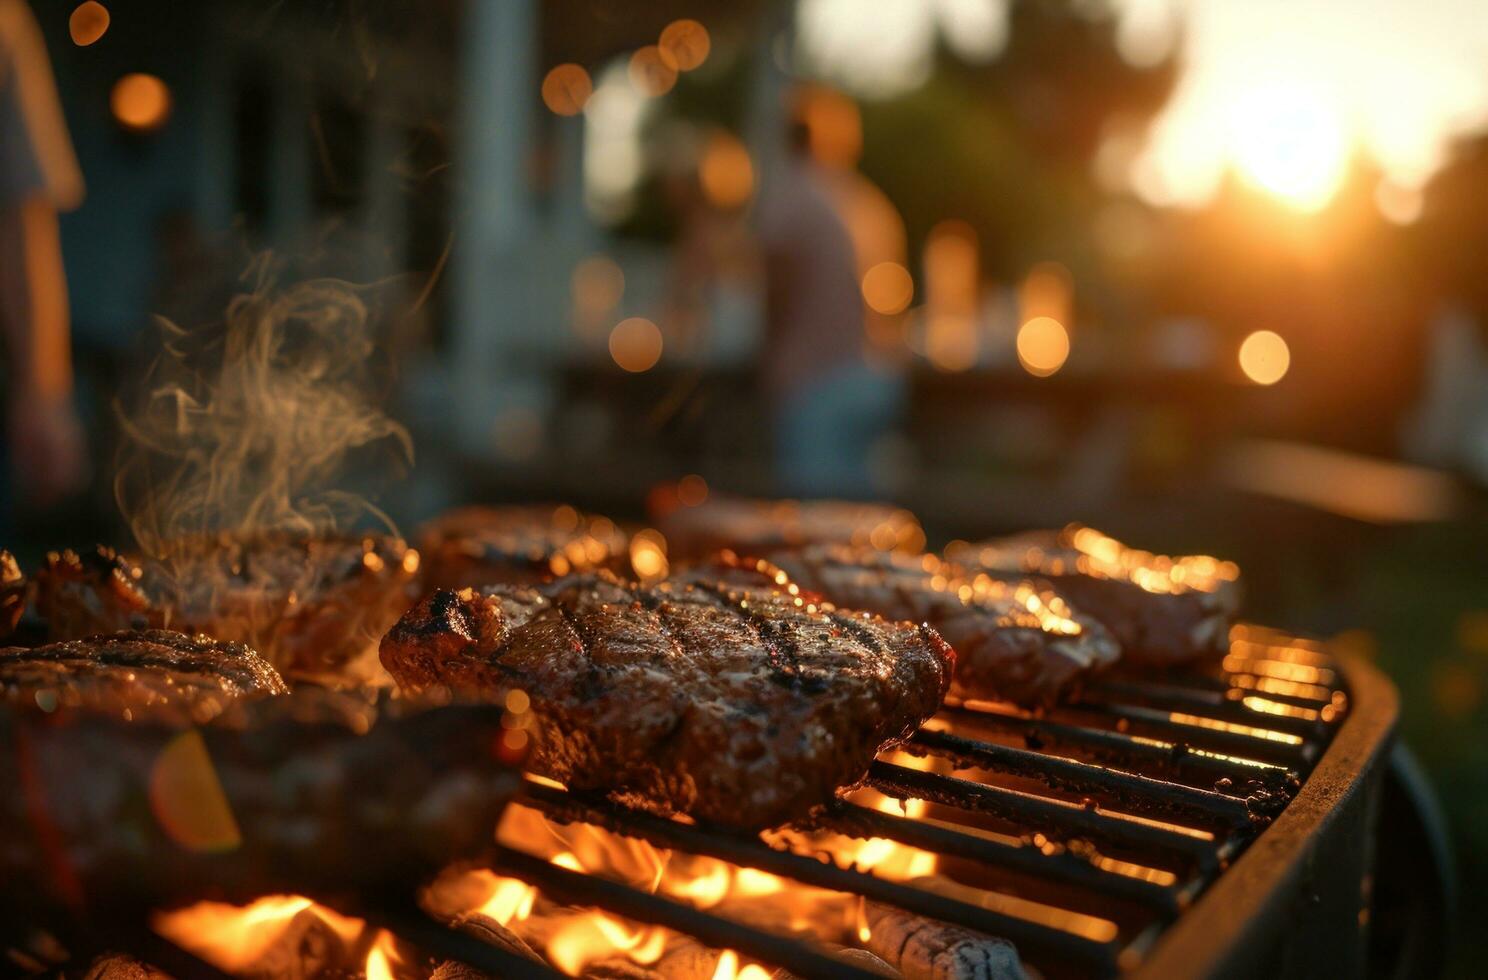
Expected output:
{"points": [[1112, 814]]}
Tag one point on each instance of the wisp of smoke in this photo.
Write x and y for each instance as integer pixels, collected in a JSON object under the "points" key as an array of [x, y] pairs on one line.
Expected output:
{"points": [[242, 433]]}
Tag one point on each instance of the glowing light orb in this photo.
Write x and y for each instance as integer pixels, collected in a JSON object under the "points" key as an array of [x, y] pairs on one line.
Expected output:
{"points": [[566, 89], [635, 344], [140, 102], [651, 73], [1265, 357], [726, 172], [888, 288], [1043, 346], [88, 23], [685, 43]]}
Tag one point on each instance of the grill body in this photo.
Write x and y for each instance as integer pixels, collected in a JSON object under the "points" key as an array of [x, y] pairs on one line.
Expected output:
{"points": [[1297, 902]]}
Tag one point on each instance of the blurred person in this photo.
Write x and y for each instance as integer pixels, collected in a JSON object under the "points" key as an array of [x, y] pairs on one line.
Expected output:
{"points": [[831, 405], [834, 128], [42, 455]]}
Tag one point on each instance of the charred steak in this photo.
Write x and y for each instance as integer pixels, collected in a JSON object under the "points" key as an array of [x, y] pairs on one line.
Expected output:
{"points": [[517, 545], [1162, 609], [1014, 641], [756, 527], [744, 708], [12, 594], [312, 607], [153, 674]]}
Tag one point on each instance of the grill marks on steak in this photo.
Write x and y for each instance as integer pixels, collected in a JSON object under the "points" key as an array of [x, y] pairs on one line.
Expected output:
{"points": [[1014, 641], [1162, 609], [151, 673], [741, 707]]}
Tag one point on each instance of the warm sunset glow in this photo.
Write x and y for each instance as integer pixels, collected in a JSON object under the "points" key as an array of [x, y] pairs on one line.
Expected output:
{"points": [[1289, 141], [88, 23], [566, 89], [652, 73], [726, 173], [888, 288], [1043, 346], [685, 43], [1264, 357], [140, 102], [635, 344]]}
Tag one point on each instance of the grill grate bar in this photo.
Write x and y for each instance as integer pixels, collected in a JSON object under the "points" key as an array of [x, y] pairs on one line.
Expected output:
{"points": [[754, 853], [1055, 819], [1063, 868], [1214, 704], [1129, 791], [1128, 751], [1292, 751], [396, 911], [798, 956]]}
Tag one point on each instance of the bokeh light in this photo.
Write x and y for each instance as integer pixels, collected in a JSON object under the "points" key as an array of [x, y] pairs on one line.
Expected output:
{"points": [[888, 288], [725, 172], [1290, 142], [685, 43], [88, 23], [651, 73], [1398, 203], [597, 286], [566, 89], [140, 102], [1043, 346], [1265, 357], [648, 554], [635, 344], [692, 490]]}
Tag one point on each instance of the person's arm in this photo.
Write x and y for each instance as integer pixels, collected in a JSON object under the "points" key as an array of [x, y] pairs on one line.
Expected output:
{"points": [[44, 434]]}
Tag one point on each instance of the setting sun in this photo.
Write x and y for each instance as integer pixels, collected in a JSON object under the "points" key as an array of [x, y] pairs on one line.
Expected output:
{"points": [[1289, 141]]}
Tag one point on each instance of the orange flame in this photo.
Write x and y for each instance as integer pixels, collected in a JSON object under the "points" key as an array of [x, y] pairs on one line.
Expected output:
{"points": [[234, 938]]}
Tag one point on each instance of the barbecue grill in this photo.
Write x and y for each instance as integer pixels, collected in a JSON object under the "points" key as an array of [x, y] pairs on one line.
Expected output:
{"points": [[1194, 824]]}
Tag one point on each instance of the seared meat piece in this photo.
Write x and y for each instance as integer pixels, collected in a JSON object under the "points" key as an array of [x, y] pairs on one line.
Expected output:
{"points": [[314, 790], [12, 594], [153, 674], [1163, 610], [313, 608], [739, 707], [1014, 641], [517, 545], [757, 527]]}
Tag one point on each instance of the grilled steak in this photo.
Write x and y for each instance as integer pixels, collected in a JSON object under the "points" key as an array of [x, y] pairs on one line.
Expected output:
{"points": [[516, 545], [1163, 610], [154, 673], [12, 594], [314, 790], [313, 608], [744, 708], [1014, 641], [757, 527]]}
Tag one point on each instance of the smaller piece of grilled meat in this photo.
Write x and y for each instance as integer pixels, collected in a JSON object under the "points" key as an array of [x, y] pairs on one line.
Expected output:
{"points": [[740, 707], [520, 545], [311, 607], [1163, 610], [157, 674], [756, 527], [12, 594], [1014, 641]]}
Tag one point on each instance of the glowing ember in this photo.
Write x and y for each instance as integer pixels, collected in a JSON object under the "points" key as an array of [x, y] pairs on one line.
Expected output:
{"points": [[238, 938]]}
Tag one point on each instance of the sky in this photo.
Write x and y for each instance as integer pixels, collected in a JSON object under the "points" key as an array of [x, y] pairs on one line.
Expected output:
{"points": [[1281, 92]]}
